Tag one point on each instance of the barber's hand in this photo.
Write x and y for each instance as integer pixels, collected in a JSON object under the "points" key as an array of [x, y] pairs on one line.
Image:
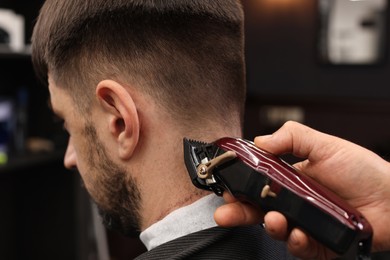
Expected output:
{"points": [[356, 174]]}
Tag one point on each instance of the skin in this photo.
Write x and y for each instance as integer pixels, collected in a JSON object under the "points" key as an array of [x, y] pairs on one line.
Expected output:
{"points": [[100, 173], [121, 153], [336, 164]]}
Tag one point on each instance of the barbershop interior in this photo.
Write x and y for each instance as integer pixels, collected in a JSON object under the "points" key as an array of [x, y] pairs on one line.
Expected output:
{"points": [[323, 63]]}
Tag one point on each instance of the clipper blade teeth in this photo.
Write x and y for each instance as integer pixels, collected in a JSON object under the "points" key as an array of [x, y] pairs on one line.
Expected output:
{"points": [[195, 143]]}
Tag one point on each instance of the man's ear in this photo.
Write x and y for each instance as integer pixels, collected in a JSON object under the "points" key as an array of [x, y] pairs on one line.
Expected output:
{"points": [[123, 118]]}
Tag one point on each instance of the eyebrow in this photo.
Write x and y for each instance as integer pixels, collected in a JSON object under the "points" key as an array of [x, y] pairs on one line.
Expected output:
{"points": [[56, 113]]}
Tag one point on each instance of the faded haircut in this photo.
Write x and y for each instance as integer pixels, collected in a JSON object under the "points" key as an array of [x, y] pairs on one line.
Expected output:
{"points": [[187, 54]]}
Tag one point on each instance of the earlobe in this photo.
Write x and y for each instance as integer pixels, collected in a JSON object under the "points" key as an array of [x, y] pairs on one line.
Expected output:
{"points": [[122, 119]]}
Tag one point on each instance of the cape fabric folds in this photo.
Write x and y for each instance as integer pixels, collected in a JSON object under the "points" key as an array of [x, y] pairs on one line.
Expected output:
{"points": [[249, 242]]}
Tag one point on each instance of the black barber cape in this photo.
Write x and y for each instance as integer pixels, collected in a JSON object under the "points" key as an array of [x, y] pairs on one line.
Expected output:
{"points": [[251, 242]]}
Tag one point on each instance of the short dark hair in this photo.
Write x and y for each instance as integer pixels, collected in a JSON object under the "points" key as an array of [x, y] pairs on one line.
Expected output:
{"points": [[187, 54]]}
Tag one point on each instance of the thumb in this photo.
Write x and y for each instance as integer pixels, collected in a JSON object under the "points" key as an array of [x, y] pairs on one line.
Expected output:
{"points": [[292, 137]]}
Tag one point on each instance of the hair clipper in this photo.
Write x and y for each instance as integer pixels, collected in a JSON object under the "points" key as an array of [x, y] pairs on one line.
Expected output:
{"points": [[256, 176]]}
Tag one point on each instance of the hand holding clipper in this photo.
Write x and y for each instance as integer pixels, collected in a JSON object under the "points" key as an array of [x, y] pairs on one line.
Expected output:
{"points": [[263, 179]]}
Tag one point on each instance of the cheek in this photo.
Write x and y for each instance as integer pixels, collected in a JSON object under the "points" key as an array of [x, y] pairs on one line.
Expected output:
{"points": [[85, 169], [92, 174], [78, 156], [98, 171]]}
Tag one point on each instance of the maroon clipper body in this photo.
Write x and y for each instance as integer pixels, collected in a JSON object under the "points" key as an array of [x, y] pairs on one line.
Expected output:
{"points": [[263, 179]]}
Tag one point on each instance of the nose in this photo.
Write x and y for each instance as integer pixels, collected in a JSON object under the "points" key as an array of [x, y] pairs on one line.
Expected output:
{"points": [[70, 158]]}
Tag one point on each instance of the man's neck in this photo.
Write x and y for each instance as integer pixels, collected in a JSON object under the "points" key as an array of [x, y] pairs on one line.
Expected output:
{"points": [[164, 182]]}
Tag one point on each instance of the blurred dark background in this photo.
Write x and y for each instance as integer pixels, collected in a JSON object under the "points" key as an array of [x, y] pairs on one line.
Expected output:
{"points": [[47, 215], [288, 79]]}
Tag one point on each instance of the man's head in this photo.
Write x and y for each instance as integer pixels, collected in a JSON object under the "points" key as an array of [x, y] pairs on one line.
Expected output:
{"points": [[186, 54], [105, 58]]}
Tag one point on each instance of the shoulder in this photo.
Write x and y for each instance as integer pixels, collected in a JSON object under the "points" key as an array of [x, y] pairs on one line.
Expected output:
{"points": [[249, 242]]}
